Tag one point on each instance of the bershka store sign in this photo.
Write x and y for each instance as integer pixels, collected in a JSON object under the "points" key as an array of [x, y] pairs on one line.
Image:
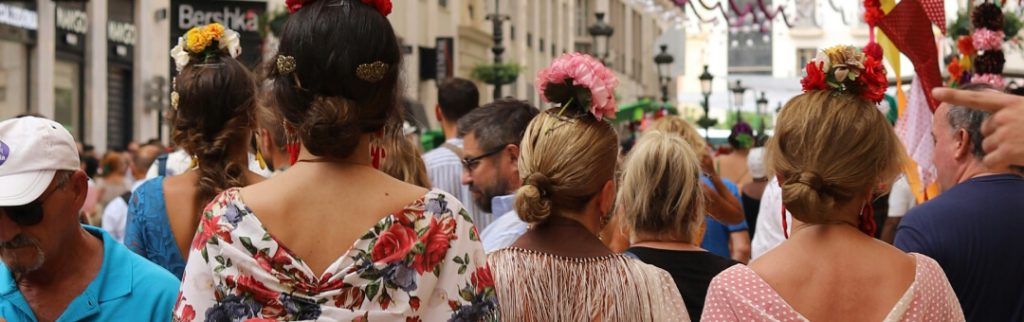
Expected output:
{"points": [[241, 16]]}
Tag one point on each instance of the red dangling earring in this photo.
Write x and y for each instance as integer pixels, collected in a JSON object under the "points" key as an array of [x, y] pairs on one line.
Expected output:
{"points": [[293, 152], [785, 226], [377, 152], [867, 220]]}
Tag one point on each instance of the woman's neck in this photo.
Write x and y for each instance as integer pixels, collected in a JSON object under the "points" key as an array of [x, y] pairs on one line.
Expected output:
{"points": [[562, 236]]}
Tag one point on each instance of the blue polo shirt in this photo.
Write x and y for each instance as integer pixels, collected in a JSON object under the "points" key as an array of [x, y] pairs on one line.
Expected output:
{"points": [[127, 288]]}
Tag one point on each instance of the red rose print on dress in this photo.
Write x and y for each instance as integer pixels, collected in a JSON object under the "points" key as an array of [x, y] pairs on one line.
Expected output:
{"points": [[482, 278], [436, 240], [393, 244]]}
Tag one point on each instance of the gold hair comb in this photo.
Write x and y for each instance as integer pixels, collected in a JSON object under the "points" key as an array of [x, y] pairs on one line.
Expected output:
{"points": [[372, 72], [285, 64]]}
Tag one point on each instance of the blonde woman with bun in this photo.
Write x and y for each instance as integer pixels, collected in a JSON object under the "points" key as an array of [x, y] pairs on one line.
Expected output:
{"points": [[663, 209], [559, 270], [831, 150]]}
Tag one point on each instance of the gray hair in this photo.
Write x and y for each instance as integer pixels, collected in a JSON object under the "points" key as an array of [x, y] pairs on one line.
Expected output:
{"points": [[970, 120]]}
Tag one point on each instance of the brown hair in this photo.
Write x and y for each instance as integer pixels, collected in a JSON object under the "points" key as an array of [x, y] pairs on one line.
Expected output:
{"points": [[403, 162], [830, 148], [213, 117], [269, 118], [661, 192], [323, 99], [564, 163]]}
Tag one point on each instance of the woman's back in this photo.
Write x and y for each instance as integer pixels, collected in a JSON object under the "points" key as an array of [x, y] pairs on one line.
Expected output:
{"points": [[362, 245], [862, 277], [861, 282], [535, 286]]}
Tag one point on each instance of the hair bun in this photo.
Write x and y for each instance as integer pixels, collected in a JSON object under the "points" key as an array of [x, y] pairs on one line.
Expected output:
{"points": [[330, 128], [533, 203], [811, 179]]}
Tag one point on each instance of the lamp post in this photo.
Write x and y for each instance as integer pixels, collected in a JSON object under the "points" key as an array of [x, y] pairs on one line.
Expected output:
{"points": [[737, 98], [762, 106], [705, 88], [601, 31], [497, 19], [664, 61]]}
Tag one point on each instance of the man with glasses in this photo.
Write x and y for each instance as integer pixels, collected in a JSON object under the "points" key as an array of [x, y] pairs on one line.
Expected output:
{"points": [[491, 136], [53, 267]]}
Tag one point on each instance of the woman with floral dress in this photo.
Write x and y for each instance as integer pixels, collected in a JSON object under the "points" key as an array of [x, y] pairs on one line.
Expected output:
{"points": [[333, 238]]}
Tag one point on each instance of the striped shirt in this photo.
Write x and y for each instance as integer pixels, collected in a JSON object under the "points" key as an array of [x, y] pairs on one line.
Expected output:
{"points": [[445, 171]]}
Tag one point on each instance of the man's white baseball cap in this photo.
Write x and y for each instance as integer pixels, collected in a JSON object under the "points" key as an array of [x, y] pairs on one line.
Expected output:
{"points": [[32, 149]]}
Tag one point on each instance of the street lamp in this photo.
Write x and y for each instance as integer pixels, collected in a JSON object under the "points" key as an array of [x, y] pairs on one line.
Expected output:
{"points": [[601, 31], [497, 19], [664, 62], [705, 88], [762, 106], [737, 98]]}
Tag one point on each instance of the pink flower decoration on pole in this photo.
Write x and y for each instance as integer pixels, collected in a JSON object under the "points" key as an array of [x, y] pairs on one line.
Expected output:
{"points": [[991, 79], [582, 70], [985, 39]]}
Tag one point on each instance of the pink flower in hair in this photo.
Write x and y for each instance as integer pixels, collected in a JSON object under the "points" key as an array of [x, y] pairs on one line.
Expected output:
{"points": [[583, 71]]}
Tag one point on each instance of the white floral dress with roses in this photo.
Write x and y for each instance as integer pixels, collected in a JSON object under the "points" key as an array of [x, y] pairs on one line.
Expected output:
{"points": [[424, 263]]}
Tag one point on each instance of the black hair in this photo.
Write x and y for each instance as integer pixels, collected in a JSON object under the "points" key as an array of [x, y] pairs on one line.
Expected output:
{"points": [[324, 99], [498, 123], [457, 97]]}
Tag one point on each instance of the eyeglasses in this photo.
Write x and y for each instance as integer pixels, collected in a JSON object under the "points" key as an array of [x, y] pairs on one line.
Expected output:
{"points": [[470, 163], [28, 214]]}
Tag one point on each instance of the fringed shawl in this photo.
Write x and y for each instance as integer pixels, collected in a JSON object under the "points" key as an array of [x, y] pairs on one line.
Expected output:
{"points": [[534, 286]]}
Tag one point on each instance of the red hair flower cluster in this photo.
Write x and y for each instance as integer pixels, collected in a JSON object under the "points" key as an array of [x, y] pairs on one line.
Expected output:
{"points": [[382, 6], [846, 69]]}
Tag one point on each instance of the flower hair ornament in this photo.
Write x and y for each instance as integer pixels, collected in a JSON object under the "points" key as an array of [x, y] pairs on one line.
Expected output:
{"points": [[382, 6], [205, 42], [581, 82], [846, 69]]}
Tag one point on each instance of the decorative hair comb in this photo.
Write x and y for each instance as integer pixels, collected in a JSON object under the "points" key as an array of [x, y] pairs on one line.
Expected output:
{"points": [[285, 64], [382, 6], [372, 72], [846, 69]]}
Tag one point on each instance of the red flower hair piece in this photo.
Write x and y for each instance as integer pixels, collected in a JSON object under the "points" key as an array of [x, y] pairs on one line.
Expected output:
{"points": [[846, 69], [382, 6]]}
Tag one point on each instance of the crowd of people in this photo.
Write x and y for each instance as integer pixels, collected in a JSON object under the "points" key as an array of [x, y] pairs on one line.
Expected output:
{"points": [[294, 193]]}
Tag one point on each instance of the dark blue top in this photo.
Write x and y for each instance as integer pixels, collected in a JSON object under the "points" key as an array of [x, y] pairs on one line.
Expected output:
{"points": [[716, 237], [148, 232], [974, 232], [126, 288]]}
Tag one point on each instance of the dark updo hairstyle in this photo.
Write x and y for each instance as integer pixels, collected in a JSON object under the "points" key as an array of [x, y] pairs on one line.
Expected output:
{"points": [[216, 102], [323, 99]]}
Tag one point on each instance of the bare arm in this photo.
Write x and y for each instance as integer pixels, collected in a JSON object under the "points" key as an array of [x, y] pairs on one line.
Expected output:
{"points": [[739, 244], [722, 205]]}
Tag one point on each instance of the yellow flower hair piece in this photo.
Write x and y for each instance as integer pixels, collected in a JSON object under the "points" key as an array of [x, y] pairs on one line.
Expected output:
{"points": [[203, 42]]}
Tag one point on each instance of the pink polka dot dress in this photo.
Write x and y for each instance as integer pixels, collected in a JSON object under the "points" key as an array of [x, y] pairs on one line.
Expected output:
{"points": [[739, 294]]}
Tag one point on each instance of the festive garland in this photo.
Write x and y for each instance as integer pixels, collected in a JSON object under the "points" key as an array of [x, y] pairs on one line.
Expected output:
{"points": [[987, 39]]}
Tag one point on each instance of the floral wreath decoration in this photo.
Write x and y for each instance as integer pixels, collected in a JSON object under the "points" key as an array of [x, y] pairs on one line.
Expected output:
{"points": [[846, 70], [382, 6], [580, 81], [202, 43]]}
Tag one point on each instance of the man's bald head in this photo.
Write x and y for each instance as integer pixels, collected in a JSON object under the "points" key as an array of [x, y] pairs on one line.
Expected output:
{"points": [[145, 157]]}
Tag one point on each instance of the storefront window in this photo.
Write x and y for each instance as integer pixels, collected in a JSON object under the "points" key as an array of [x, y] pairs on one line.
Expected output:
{"points": [[66, 94], [13, 79]]}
